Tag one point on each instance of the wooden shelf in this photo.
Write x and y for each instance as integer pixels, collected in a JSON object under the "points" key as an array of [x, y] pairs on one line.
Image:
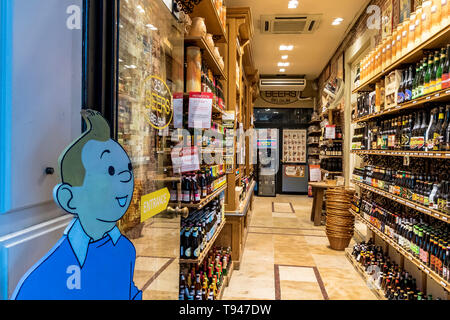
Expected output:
{"points": [[443, 283], [207, 10], [241, 211], [204, 201], [207, 55], [379, 293], [327, 157], [440, 39], [431, 212], [331, 172], [438, 96], [413, 154], [207, 248]]}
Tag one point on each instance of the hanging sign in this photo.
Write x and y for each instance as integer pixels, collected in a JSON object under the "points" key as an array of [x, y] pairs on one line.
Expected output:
{"points": [[185, 159], [330, 132], [154, 203], [280, 97], [314, 173], [200, 110]]}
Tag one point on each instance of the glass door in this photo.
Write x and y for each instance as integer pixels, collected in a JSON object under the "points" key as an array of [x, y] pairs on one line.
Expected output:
{"points": [[150, 53]]}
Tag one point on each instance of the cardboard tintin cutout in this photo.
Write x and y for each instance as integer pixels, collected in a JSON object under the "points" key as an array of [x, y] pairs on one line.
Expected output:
{"points": [[92, 260]]}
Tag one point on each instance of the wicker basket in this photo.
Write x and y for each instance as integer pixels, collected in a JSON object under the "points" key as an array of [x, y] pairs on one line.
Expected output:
{"points": [[340, 222]]}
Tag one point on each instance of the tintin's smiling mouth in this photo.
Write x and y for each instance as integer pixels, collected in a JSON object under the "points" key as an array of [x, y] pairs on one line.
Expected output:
{"points": [[122, 201]]}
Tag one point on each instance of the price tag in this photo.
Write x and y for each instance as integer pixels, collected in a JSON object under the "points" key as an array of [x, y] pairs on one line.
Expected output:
{"points": [[444, 218], [437, 94], [427, 271], [426, 211], [437, 155], [436, 215], [414, 102], [428, 98], [443, 283]]}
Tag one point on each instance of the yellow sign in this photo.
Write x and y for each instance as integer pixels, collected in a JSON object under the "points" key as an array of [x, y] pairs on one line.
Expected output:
{"points": [[154, 203], [158, 102]]}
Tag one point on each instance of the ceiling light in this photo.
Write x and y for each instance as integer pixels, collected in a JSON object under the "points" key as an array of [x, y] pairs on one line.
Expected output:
{"points": [[151, 27], [141, 10], [283, 64], [282, 70], [284, 57], [293, 4], [337, 21], [286, 48]]}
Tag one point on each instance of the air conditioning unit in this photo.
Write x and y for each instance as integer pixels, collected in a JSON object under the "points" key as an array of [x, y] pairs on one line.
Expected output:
{"points": [[275, 84], [290, 24]]}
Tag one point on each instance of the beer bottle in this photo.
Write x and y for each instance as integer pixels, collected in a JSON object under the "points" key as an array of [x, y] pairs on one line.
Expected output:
{"points": [[434, 68], [440, 69], [446, 70], [427, 79]]}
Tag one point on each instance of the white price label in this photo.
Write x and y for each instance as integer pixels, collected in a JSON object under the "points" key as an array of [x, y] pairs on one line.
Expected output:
{"points": [[443, 284], [444, 218]]}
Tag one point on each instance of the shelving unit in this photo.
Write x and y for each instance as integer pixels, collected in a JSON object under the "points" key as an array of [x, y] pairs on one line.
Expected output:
{"points": [[204, 201], [438, 96], [208, 247], [404, 253], [208, 54], [379, 293], [412, 154], [437, 40], [207, 10], [426, 210]]}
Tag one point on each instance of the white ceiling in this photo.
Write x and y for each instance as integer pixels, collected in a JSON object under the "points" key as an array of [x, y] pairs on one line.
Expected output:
{"points": [[311, 51]]}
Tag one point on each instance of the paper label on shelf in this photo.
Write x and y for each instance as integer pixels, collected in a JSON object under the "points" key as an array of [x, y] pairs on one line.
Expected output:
{"points": [[330, 132], [154, 203], [178, 110], [185, 159], [200, 110], [314, 173]]}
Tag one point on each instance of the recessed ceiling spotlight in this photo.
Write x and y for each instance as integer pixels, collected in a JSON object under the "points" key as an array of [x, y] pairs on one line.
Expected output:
{"points": [[282, 70], [141, 10], [284, 57], [337, 21], [286, 48], [293, 4], [151, 27], [283, 64]]}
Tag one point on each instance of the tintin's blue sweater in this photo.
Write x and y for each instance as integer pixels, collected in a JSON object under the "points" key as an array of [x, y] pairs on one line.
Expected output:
{"points": [[107, 273]]}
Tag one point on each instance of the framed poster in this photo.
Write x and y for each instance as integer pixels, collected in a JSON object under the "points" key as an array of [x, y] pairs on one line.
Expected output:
{"points": [[294, 171], [294, 146], [387, 19]]}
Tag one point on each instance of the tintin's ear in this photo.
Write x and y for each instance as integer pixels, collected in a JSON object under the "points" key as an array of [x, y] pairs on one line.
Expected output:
{"points": [[63, 196]]}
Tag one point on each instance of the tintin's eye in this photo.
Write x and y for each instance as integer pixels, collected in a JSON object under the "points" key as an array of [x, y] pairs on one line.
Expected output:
{"points": [[111, 170], [130, 167]]}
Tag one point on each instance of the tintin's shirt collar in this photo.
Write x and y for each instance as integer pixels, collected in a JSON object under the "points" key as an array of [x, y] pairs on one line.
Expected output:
{"points": [[79, 240]]}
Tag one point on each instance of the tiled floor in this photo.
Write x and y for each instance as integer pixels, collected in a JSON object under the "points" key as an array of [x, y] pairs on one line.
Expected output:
{"points": [[286, 257]]}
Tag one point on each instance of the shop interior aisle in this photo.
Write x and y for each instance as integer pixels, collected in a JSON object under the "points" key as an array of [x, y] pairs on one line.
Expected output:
{"points": [[287, 258]]}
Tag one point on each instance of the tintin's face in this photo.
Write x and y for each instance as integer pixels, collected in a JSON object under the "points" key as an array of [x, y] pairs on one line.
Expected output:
{"points": [[108, 184]]}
